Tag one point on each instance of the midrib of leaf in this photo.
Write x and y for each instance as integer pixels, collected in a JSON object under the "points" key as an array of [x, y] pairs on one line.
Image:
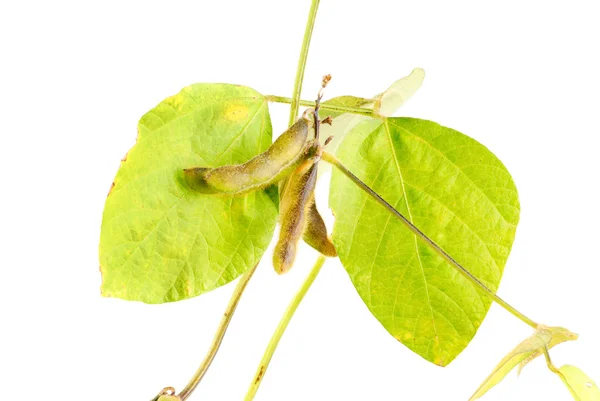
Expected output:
{"points": [[362, 209], [426, 285], [459, 169], [235, 252]]}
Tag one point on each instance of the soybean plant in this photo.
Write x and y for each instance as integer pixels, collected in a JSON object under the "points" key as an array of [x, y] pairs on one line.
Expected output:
{"points": [[195, 203]]}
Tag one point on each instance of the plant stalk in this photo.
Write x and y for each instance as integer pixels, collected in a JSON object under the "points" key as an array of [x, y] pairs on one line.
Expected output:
{"points": [[328, 157], [283, 323], [549, 362], [324, 106], [294, 109], [295, 102], [212, 352]]}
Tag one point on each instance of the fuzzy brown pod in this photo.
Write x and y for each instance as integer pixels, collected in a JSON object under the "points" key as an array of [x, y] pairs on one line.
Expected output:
{"points": [[293, 212], [315, 233], [269, 167]]}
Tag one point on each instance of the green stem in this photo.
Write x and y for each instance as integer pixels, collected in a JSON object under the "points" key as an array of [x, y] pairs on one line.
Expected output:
{"points": [[285, 320], [295, 103], [212, 352], [324, 106], [294, 108], [328, 157], [549, 361]]}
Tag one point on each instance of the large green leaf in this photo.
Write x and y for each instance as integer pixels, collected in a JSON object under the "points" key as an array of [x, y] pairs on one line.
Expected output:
{"points": [[453, 189], [582, 388], [529, 349], [163, 242]]}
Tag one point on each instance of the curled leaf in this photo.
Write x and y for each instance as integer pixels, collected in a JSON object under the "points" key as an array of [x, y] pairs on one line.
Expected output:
{"points": [[582, 388], [544, 337]]}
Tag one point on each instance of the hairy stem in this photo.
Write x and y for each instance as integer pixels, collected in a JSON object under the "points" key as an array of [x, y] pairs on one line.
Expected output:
{"points": [[233, 303], [295, 101], [328, 157], [324, 106], [283, 323]]}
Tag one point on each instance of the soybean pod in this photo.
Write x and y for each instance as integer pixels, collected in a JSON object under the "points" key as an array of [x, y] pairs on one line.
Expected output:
{"points": [[315, 233], [293, 211], [269, 167]]}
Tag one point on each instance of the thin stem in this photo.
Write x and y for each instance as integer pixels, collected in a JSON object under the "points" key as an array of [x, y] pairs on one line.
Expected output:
{"points": [[295, 103], [328, 157], [233, 303], [324, 106], [294, 108], [549, 361], [285, 320]]}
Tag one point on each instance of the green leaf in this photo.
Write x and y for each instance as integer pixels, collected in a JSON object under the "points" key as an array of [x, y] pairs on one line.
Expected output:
{"points": [[384, 104], [162, 242], [459, 194], [532, 347], [582, 388]]}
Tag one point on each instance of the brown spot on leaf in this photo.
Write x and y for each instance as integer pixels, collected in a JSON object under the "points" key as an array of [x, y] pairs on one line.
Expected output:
{"points": [[111, 188]]}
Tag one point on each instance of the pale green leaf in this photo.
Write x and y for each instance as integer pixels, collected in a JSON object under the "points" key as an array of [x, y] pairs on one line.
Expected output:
{"points": [[582, 388], [384, 104], [532, 347], [398, 93], [459, 194], [558, 335], [161, 241]]}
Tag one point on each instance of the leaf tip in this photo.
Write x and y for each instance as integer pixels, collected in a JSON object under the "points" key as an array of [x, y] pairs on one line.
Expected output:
{"points": [[418, 71]]}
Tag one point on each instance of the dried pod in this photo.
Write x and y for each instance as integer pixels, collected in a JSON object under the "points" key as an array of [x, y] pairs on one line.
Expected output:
{"points": [[293, 211], [315, 232], [269, 167]]}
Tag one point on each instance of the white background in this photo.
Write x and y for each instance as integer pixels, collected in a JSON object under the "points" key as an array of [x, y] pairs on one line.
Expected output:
{"points": [[522, 77]]}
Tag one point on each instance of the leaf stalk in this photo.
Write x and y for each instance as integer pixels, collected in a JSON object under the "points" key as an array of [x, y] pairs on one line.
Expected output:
{"points": [[218, 338], [307, 103]]}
